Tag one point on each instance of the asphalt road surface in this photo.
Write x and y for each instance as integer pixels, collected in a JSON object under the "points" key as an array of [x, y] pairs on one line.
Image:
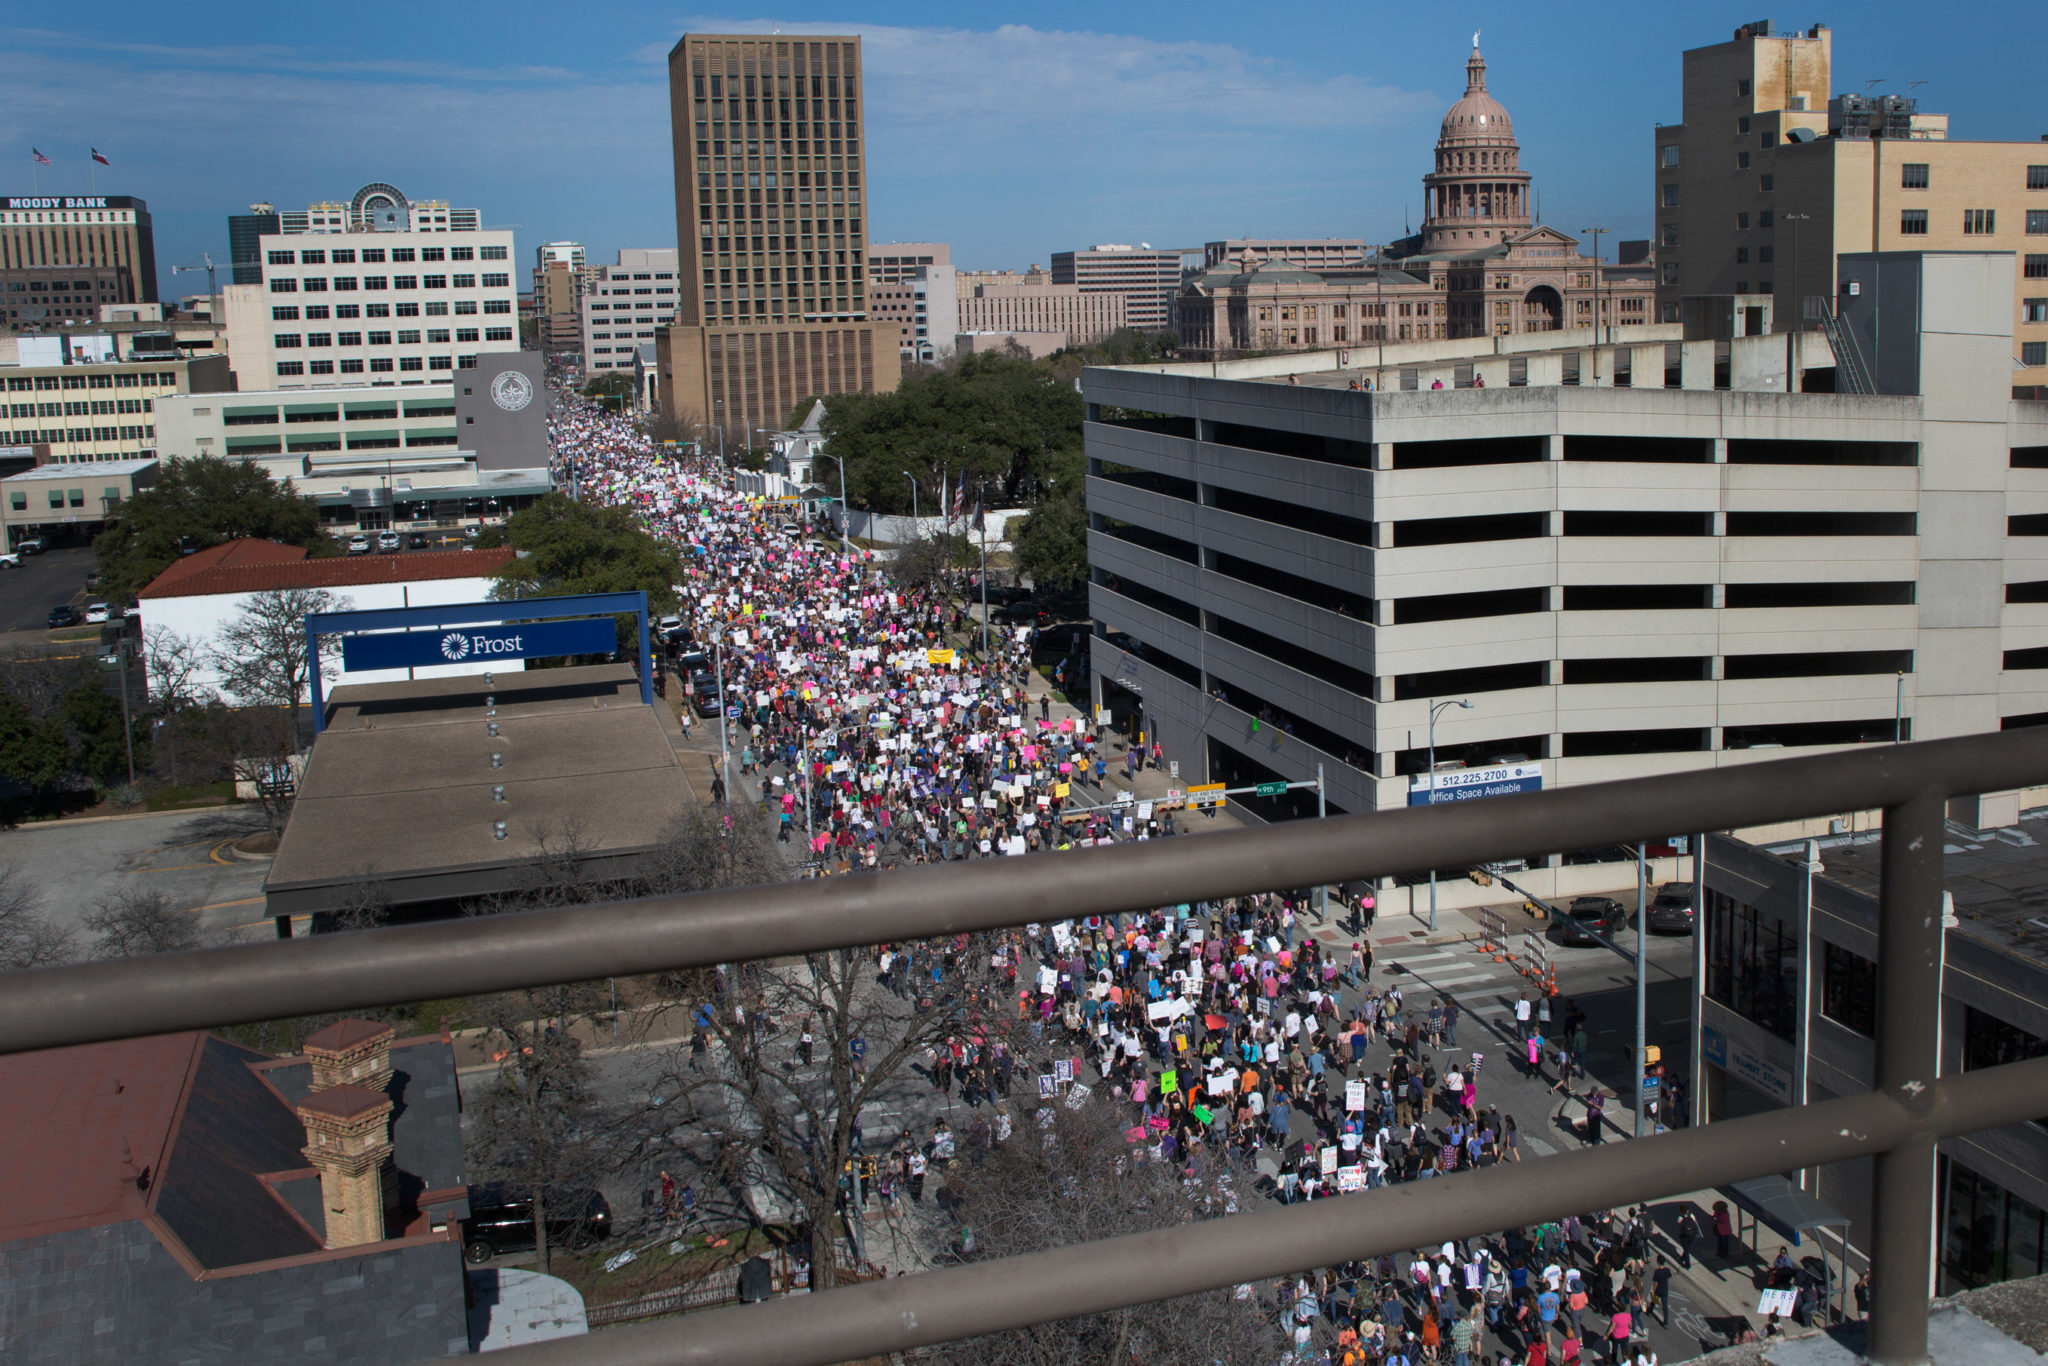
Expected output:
{"points": [[76, 864], [43, 581]]}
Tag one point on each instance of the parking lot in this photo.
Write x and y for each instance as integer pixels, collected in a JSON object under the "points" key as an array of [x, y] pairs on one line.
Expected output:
{"points": [[27, 594], [75, 864]]}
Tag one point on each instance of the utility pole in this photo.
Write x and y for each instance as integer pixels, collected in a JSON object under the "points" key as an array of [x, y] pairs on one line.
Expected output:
{"points": [[1322, 813], [127, 726], [982, 517], [724, 728], [1642, 938], [845, 512]]}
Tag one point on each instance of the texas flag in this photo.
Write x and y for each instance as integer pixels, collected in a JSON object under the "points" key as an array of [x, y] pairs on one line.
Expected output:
{"points": [[99, 158]]}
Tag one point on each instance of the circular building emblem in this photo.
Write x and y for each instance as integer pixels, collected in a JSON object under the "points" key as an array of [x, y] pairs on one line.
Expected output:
{"points": [[455, 645], [511, 391]]}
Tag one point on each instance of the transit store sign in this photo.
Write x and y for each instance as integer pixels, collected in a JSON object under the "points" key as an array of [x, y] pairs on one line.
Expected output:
{"points": [[1465, 784], [478, 644]]}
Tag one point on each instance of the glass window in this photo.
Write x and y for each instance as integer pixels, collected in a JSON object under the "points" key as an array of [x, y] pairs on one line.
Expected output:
{"points": [[1988, 1234], [2033, 353], [1913, 175], [1979, 222], [1752, 964], [2037, 222], [1913, 222], [1989, 1042], [1848, 989]]}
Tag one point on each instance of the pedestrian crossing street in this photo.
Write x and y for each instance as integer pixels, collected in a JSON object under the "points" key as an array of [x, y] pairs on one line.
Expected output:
{"points": [[1482, 987]]}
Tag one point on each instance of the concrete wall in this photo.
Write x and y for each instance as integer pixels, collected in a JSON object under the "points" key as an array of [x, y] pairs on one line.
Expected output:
{"points": [[504, 423]]}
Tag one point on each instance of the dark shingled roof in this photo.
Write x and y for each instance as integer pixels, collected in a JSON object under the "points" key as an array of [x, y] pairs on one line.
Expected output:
{"points": [[99, 1270]]}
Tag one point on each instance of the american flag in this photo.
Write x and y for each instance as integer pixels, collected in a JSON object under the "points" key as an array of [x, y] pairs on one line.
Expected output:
{"points": [[41, 160], [959, 494]]}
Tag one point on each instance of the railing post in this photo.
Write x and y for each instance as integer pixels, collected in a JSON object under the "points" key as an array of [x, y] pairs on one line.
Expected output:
{"points": [[1909, 955]]}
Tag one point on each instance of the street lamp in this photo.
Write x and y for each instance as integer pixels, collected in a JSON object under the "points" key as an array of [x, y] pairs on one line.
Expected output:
{"points": [[1597, 315], [1434, 709], [913, 501]]}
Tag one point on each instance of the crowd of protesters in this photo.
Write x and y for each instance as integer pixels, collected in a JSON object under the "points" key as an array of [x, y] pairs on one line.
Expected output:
{"points": [[1237, 1045]]}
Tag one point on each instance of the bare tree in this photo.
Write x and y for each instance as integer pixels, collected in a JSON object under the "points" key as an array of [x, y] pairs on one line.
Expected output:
{"points": [[538, 1126], [28, 938], [262, 654], [173, 663], [802, 1046], [135, 924], [1069, 1174], [259, 746]]}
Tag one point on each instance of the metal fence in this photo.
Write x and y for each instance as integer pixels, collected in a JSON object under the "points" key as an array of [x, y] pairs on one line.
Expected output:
{"points": [[1898, 1123]]}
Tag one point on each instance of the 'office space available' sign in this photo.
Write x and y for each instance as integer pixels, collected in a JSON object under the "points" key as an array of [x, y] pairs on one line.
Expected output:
{"points": [[478, 644], [1464, 784]]}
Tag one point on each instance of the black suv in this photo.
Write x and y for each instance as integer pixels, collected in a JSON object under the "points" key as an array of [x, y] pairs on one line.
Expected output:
{"points": [[1671, 912], [1600, 914], [501, 1220], [64, 614]]}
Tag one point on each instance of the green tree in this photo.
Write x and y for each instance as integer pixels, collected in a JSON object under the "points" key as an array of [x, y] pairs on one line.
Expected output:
{"points": [[573, 547], [613, 389], [1052, 539], [196, 503], [93, 717], [34, 751], [991, 419]]}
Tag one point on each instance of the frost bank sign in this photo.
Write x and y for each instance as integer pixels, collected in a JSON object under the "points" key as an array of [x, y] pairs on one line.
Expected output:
{"points": [[477, 644], [1464, 784]]}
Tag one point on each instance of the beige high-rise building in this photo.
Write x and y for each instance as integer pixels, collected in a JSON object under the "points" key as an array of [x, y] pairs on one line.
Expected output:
{"points": [[1772, 176], [1032, 302], [1145, 276], [771, 231]]}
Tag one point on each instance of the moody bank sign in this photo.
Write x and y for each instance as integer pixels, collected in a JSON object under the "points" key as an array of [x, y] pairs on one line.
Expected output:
{"points": [[478, 644]]}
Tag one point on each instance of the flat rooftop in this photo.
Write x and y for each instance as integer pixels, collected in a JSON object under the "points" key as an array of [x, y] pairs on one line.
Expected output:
{"points": [[1997, 878], [399, 789]]}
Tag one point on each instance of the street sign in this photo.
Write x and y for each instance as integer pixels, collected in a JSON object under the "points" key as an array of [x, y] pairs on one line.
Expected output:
{"points": [[1206, 795], [1272, 789]]}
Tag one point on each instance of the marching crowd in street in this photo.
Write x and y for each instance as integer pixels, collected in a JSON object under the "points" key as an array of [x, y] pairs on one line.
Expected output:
{"points": [[1235, 1043]]}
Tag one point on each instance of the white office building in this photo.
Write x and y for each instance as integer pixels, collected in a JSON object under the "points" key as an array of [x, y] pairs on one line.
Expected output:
{"points": [[371, 307], [625, 304], [378, 207]]}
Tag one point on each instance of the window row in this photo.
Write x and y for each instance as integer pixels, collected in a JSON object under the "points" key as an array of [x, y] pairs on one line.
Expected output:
{"points": [[371, 256], [348, 284], [433, 308], [378, 365]]}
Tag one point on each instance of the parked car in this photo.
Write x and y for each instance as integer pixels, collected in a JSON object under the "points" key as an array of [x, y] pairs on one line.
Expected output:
{"points": [[10, 559], [92, 579], [97, 611], [1599, 914], [29, 545], [704, 691], [470, 533], [359, 545], [64, 614], [416, 541], [501, 1221], [1671, 911], [387, 541], [132, 612]]}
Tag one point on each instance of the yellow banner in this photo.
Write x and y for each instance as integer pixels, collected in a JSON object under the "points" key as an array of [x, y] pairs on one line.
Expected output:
{"points": [[939, 656]]}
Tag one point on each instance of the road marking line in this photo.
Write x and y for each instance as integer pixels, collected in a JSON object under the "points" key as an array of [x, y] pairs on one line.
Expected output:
{"points": [[174, 868], [244, 901], [1456, 979]]}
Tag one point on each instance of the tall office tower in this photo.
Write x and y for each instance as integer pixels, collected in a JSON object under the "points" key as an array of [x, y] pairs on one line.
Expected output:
{"points": [[1773, 176], [771, 232], [244, 231], [40, 234]]}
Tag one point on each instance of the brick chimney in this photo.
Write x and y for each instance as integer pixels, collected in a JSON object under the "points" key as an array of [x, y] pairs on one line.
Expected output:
{"points": [[351, 1052], [348, 1139]]}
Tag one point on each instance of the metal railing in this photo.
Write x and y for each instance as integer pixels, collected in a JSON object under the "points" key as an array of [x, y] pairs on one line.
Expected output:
{"points": [[1898, 1123]]}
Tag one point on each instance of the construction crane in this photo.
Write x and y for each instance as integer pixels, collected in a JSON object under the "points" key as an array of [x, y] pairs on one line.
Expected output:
{"points": [[205, 263]]}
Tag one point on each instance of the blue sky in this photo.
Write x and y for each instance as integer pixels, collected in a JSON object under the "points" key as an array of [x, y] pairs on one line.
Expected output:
{"points": [[1010, 133]]}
